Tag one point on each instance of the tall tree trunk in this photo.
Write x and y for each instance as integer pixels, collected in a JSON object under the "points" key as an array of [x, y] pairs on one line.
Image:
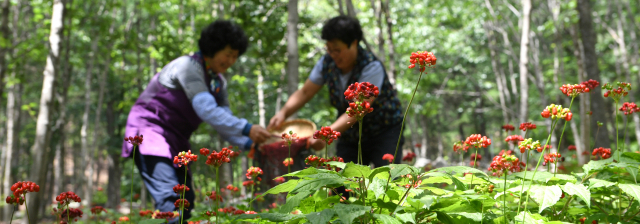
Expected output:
{"points": [[351, 11], [114, 168], [524, 60], [498, 73], [11, 138], [96, 129], [84, 135], [340, 7], [578, 53], [39, 149], [591, 67], [391, 72], [377, 13], [4, 35], [292, 48]]}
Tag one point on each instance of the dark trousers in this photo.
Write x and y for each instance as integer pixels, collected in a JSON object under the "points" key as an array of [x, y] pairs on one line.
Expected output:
{"points": [[160, 176]]}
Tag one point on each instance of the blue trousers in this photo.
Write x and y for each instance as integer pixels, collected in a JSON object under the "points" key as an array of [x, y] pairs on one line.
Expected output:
{"points": [[160, 176]]}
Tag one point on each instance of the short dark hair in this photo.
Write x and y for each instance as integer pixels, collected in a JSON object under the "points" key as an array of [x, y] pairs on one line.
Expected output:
{"points": [[344, 28], [217, 35]]}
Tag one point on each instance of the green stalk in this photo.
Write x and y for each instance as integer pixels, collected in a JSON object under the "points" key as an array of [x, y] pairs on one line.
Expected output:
{"points": [[626, 122], [184, 188], [326, 156], [217, 192], [526, 166], [14, 211], [289, 166], [562, 134], [360, 143], [133, 157], [27, 208], [474, 166], [405, 113], [504, 198], [482, 215], [251, 202], [526, 203], [68, 221], [617, 148]]}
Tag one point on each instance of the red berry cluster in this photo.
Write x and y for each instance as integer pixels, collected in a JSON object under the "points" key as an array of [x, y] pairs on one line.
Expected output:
{"points": [[475, 156], [214, 196], [134, 140], [556, 111], [484, 188], [360, 91], [70, 214], [546, 147], [258, 197], [336, 159], [314, 161], [182, 202], [574, 90], [388, 157], [505, 163], [145, 213], [514, 139], [216, 159], [424, 59], [183, 158], [253, 172], [591, 84], [629, 108], [228, 210], [66, 197], [232, 188], [617, 93], [96, 210], [604, 153], [505, 152], [180, 188], [409, 157], [326, 134], [414, 181], [288, 162], [551, 158], [572, 148], [527, 126], [20, 190], [209, 213], [529, 144], [508, 127], [359, 109], [290, 138], [279, 180], [164, 215], [248, 183], [460, 146], [478, 141], [583, 219]]}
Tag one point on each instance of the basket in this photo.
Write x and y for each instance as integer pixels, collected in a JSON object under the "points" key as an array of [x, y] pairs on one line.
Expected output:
{"points": [[302, 127]]}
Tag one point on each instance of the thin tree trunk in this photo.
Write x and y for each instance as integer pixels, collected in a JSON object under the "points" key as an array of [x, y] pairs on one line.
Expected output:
{"points": [[42, 137], [84, 135], [340, 7], [377, 12], [351, 11], [498, 73], [10, 145], [293, 63], [391, 72], [96, 129], [591, 67], [4, 34], [524, 61]]}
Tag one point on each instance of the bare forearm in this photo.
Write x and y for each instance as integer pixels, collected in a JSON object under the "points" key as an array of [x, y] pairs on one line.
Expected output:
{"points": [[343, 123]]}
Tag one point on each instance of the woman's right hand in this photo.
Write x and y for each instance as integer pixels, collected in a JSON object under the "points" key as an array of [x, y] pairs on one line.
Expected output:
{"points": [[276, 121], [258, 134]]}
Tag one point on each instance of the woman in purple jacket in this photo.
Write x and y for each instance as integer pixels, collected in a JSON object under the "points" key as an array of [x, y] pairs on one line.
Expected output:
{"points": [[188, 91]]}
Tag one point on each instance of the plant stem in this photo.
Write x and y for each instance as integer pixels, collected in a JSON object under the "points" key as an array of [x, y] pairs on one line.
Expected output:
{"points": [[289, 165], [217, 193], [14, 211], [620, 199], [526, 165], [482, 215], [562, 134], [405, 113], [133, 157], [526, 203], [475, 157], [251, 202], [625, 134], [360, 142], [326, 156], [616, 117], [504, 199], [68, 221], [183, 196]]}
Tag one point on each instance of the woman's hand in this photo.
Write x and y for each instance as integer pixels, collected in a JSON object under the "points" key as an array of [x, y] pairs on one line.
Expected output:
{"points": [[316, 144], [276, 120], [258, 134]]}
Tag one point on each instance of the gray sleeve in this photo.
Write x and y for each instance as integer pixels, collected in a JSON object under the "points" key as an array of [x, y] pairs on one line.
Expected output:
{"points": [[184, 73], [316, 73], [373, 73]]}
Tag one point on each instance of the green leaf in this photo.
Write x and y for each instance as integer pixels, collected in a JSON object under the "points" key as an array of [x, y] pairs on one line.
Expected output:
{"points": [[596, 183], [315, 184], [349, 212], [283, 187], [630, 157], [460, 170], [153, 221], [278, 217], [377, 186], [399, 170], [633, 171], [427, 200], [386, 219], [561, 177], [557, 222], [302, 173], [443, 217], [463, 206], [337, 164], [355, 170], [436, 190], [376, 171], [437, 180], [307, 205], [459, 185], [542, 176], [546, 195], [407, 217], [294, 201], [631, 189], [477, 217], [596, 165], [321, 217], [526, 218], [578, 189]]}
